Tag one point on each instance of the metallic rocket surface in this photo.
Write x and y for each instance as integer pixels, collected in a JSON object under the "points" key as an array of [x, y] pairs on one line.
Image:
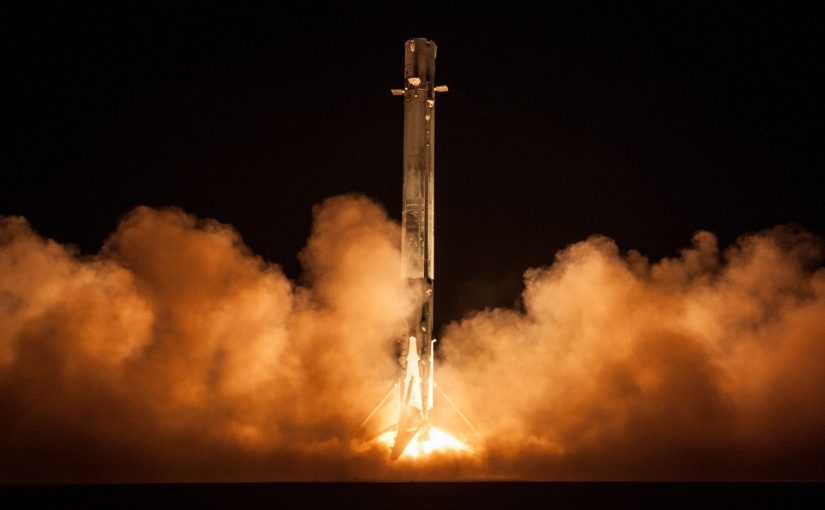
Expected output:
{"points": [[416, 386], [417, 247], [418, 236]]}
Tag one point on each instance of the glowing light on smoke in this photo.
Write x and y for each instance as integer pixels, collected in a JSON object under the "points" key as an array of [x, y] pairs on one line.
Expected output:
{"points": [[438, 441], [177, 353]]}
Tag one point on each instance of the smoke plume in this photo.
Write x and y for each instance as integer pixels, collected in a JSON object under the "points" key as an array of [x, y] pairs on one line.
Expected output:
{"points": [[706, 366], [176, 354]]}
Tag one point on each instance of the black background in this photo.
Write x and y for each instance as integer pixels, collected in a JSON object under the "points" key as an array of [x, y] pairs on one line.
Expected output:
{"points": [[403, 496], [641, 124]]}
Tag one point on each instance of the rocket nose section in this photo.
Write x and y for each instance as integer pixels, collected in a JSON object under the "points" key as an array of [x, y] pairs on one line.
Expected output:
{"points": [[419, 61], [416, 43]]}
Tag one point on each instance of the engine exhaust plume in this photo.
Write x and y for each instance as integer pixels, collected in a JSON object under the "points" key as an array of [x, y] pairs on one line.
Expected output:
{"points": [[176, 354], [704, 366]]}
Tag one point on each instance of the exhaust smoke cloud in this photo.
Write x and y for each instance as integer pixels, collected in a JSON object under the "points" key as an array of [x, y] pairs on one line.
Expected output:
{"points": [[177, 354], [705, 366]]}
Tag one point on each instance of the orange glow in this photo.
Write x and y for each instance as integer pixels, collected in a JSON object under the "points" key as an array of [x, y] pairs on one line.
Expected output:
{"points": [[438, 441], [176, 346]]}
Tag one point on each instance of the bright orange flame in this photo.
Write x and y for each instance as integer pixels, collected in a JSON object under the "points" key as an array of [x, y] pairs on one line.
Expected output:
{"points": [[438, 441]]}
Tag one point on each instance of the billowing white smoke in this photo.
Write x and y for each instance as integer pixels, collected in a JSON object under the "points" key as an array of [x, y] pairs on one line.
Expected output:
{"points": [[703, 366], [176, 354]]}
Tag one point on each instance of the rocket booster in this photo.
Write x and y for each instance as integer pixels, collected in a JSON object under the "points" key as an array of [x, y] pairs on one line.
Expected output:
{"points": [[416, 376], [418, 236]]}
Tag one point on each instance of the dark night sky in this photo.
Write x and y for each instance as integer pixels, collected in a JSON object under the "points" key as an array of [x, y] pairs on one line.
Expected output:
{"points": [[641, 125]]}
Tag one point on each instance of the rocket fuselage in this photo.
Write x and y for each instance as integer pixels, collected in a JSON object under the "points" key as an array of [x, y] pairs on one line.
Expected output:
{"points": [[418, 211], [417, 249], [417, 232]]}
